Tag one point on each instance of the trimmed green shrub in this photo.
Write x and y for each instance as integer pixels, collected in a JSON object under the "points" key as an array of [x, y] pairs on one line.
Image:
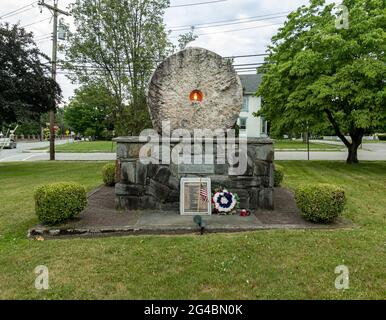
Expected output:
{"points": [[320, 203], [55, 203], [108, 174], [382, 137], [278, 175]]}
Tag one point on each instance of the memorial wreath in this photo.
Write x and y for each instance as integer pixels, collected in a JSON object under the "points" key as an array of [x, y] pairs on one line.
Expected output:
{"points": [[225, 202]]}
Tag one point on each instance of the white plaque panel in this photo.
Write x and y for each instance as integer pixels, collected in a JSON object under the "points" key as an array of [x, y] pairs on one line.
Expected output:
{"points": [[195, 196]]}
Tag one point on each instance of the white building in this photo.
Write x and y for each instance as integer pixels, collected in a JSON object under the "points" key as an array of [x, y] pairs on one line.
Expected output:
{"points": [[251, 126]]}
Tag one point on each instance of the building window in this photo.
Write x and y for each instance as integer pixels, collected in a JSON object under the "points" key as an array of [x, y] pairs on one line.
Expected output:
{"points": [[243, 123], [264, 125], [245, 104]]}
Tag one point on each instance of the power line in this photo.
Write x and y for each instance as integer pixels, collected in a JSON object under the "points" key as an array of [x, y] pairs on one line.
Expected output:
{"points": [[248, 64], [31, 24], [229, 57], [246, 68], [196, 4], [43, 35], [235, 30], [44, 38], [232, 22], [248, 56], [43, 41], [92, 68], [14, 12], [28, 9]]}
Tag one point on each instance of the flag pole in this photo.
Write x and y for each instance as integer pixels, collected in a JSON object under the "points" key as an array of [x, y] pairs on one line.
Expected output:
{"points": [[199, 196]]}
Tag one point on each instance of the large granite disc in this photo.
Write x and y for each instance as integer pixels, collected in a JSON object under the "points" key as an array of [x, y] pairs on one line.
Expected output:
{"points": [[172, 88]]}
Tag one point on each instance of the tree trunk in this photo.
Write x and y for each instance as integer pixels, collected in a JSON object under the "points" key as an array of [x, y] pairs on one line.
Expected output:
{"points": [[356, 135], [305, 136], [356, 138], [352, 154]]}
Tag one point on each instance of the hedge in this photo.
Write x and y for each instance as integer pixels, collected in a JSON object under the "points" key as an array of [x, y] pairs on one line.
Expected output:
{"points": [[382, 137], [278, 175], [108, 174], [55, 203], [320, 203]]}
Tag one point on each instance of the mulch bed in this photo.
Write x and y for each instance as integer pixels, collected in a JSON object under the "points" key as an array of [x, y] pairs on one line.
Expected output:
{"points": [[101, 218]]}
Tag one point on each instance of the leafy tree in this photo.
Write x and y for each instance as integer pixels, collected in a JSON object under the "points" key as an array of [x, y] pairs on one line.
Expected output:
{"points": [[119, 42], [88, 111], [186, 38], [317, 71], [26, 88], [28, 127]]}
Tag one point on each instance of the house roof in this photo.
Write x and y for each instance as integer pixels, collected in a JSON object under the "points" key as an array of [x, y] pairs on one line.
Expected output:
{"points": [[250, 82]]}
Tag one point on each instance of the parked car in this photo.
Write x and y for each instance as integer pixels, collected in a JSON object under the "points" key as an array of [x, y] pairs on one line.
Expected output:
{"points": [[7, 143]]}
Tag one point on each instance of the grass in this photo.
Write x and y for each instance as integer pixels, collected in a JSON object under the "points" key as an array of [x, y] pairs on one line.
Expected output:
{"points": [[285, 264], [108, 146], [301, 146], [85, 147]]}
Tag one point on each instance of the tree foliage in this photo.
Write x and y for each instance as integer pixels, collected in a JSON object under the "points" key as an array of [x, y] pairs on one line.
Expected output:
{"points": [[120, 42], [318, 72], [26, 88], [186, 38], [88, 111]]}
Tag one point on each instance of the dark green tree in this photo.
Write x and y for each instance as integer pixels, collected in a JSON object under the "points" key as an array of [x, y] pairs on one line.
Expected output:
{"points": [[26, 88], [319, 70], [88, 112]]}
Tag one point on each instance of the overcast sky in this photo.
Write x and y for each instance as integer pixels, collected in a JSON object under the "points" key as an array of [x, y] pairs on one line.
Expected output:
{"points": [[236, 39]]}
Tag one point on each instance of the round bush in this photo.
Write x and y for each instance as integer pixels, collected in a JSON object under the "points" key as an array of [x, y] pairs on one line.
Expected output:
{"points": [[55, 203], [278, 175], [320, 203], [108, 174], [382, 137]]}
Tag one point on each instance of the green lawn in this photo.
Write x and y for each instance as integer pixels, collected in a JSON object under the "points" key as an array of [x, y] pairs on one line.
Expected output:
{"points": [[256, 265], [300, 146], [108, 146], [85, 147]]}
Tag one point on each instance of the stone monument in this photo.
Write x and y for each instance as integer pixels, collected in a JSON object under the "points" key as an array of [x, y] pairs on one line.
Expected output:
{"points": [[194, 89], [199, 72]]}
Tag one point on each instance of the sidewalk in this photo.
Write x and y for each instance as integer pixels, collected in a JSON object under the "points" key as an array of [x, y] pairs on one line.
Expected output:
{"points": [[59, 156]]}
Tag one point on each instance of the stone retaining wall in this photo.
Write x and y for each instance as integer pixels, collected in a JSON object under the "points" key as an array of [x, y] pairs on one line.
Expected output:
{"points": [[157, 186]]}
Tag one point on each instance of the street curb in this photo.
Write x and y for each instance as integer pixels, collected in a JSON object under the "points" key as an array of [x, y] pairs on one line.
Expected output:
{"points": [[34, 151]]}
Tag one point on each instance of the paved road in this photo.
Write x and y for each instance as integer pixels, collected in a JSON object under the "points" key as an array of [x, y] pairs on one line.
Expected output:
{"points": [[19, 154]]}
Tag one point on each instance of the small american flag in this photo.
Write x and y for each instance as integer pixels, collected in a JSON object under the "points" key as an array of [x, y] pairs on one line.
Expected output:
{"points": [[203, 193]]}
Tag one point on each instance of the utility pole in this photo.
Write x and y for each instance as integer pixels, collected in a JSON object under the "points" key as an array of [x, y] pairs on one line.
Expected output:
{"points": [[55, 13]]}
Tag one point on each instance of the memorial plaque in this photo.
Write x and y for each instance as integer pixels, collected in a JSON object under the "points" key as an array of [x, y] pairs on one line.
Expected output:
{"points": [[195, 196]]}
